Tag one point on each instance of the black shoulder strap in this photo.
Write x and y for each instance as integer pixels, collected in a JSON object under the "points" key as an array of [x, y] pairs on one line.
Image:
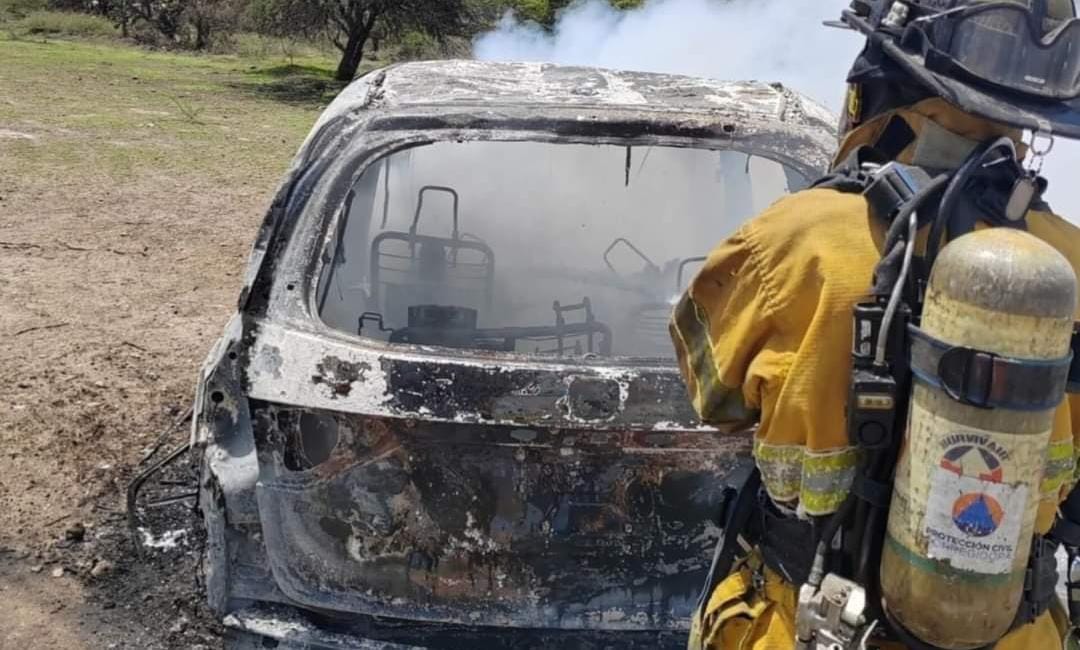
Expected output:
{"points": [[887, 185], [850, 176]]}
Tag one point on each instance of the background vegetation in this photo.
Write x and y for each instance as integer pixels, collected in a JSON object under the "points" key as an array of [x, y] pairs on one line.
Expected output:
{"points": [[353, 32]]}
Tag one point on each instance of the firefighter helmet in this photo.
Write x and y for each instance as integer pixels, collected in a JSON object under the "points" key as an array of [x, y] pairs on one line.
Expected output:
{"points": [[1016, 62]]}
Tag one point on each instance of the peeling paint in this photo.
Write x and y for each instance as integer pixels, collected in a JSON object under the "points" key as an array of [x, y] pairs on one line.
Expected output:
{"points": [[268, 361], [167, 540], [339, 376]]}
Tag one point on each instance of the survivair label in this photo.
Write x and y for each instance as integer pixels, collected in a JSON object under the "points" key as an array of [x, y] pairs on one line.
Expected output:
{"points": [[974, 517]]}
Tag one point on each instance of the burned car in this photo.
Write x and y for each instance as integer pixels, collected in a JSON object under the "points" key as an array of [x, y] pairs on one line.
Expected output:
{"points": [[447, 410]]}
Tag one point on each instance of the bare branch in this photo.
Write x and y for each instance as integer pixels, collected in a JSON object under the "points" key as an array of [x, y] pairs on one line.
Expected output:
{"points": [[40, 328]]}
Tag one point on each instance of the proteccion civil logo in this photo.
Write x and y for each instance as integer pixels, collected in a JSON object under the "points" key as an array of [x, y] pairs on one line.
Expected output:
{"points": [[977, 514], [973, 513], [970, 454]]}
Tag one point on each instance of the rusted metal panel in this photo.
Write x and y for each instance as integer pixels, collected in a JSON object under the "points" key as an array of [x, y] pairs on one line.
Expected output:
{"points": [[499, 525], [483, 491]]}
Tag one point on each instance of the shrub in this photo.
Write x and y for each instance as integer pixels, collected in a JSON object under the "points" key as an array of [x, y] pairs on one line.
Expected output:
{"points": [[146, 34], [415, 46], [62, 23], [14, 9]]}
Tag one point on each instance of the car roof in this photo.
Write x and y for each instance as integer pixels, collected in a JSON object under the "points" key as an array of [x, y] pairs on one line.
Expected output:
{"points": [[483, 83]]}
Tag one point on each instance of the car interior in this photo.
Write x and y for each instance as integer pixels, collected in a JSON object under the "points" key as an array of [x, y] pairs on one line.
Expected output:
{"points": [[556, 250]]}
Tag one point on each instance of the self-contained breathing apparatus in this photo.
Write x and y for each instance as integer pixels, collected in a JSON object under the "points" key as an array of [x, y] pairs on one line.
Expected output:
{"points": [[959, 357], [956, 399], [843, 602]]}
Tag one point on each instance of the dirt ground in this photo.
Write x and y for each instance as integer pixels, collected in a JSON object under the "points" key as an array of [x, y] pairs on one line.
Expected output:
{"points": [[131, 185]]}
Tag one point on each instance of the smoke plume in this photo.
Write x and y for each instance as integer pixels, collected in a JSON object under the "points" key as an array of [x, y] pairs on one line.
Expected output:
{"points": [[767, 40]]}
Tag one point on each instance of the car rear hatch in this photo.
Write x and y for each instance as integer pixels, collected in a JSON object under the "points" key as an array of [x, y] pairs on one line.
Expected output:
{"points": [[476, 493]]}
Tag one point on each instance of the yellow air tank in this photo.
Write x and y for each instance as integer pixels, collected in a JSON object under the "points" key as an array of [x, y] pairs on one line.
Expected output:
{"points": [[967, 481]]}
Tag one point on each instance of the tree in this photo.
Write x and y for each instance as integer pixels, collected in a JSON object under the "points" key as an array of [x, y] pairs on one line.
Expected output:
{"points": [[546, 12], [190, 23], [289, 18], [209, 18], [165, 16], [352, 24]]}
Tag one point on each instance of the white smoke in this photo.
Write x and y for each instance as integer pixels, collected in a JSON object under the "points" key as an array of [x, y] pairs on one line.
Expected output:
{"points": [[767, 40]]}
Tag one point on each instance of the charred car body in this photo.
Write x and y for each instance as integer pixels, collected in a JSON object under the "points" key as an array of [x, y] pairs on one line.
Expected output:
{"points": [[446, 411]]}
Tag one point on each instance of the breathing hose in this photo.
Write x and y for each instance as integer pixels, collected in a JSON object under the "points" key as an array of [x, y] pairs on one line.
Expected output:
{"points": [[960, 179]]}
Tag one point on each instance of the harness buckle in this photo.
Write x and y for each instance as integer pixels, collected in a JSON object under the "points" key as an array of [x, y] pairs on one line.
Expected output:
{"points": [[892, 186], [968, 375]]}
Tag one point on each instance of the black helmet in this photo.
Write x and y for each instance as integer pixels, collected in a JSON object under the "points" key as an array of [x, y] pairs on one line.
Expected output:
{"points": [[1014, 61]]}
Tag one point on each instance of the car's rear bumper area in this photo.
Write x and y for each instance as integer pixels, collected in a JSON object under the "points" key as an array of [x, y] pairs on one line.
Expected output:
{"points": [[285, 628]]}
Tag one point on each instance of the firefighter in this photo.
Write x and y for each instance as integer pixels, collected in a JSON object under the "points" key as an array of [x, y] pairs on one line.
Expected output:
{"points": [[954, 93]]}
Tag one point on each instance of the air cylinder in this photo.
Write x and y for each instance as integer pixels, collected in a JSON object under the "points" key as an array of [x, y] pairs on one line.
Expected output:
{"points": [[966, 491]]}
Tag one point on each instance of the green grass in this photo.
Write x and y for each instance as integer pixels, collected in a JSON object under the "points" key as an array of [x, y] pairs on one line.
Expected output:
{"points": [[259, 46], [64, 23], [123, 114]]}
